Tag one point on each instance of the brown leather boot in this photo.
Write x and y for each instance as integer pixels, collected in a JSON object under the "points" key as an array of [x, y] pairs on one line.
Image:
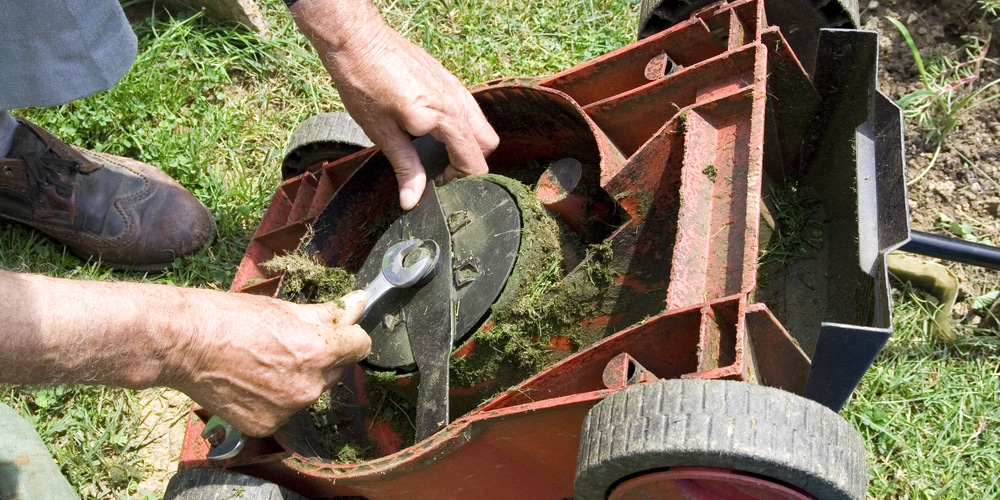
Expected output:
{"points": [[125, 213]]}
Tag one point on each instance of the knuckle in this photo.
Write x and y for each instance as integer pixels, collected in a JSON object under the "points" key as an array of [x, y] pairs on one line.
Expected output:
{"points": [[306, 395]]}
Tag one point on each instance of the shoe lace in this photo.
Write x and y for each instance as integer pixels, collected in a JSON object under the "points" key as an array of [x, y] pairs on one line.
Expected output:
{"points": [[47, 169]]}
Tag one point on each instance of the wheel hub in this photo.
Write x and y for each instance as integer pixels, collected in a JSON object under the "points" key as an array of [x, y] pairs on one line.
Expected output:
{"points": [[483, 230]]}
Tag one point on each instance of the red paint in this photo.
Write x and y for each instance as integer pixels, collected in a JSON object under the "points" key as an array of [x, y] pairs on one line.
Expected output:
{"points": [[636, 285], [471, 390], [468, 347], [560, 343], [600, 321], [704, 483], [384, 436]]}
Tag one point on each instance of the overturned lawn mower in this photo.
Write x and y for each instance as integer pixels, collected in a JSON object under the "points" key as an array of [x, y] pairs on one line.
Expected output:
{"points": [[623, 307]]}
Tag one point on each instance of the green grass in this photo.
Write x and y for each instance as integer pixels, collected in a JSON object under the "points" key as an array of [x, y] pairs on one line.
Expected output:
{"points": [[929, 411], [214, 106], [481, 40], [91, 431]]}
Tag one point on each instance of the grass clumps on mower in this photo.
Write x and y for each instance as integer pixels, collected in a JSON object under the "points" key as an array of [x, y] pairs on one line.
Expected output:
{"points": [[798, 227], [343, 420], [537, 319], [541, 327], [558, 283], [308, 281]]}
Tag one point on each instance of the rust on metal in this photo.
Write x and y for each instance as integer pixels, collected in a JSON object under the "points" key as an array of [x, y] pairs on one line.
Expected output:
{"points": [[623, 370], [660, 66], [672, 165]]}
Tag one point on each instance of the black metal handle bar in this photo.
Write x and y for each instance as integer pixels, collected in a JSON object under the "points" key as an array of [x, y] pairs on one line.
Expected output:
{"points": [[953, 249]]}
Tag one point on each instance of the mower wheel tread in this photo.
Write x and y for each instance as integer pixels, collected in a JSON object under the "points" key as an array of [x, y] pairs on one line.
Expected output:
{"points": [[209, 484], [719, 424], [326, 136]]}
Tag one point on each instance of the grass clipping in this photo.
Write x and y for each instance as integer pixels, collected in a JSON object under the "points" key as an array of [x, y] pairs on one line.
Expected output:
{"points": [[307, 280], [540, 305]]}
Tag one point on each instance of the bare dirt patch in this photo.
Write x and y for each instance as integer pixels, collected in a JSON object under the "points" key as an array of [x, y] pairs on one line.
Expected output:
{"points": [[963, 185], [165, 413]]}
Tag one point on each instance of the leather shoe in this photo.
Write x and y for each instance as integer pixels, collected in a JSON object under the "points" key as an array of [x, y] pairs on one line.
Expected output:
{"points": [[125, 213]]}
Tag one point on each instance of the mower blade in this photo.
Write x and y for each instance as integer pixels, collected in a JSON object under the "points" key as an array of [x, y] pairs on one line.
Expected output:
{"points": [[431, 326]]}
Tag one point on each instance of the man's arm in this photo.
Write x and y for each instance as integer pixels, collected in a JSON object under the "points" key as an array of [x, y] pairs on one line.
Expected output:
{"points": [[396, 90], [249, 359]]}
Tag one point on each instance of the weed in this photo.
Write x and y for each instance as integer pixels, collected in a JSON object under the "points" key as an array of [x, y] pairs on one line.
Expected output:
{"points": [[965, 230], [949, 91], [984, 301], [990, 7]]}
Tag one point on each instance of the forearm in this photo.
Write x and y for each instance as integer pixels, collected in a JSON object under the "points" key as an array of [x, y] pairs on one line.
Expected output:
{"points": [[253, 360], [71, 331], [339, 30]]}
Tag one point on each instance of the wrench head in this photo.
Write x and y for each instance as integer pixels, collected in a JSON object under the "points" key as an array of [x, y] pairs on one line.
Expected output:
{"points": [[402, 271], [226, 441]]}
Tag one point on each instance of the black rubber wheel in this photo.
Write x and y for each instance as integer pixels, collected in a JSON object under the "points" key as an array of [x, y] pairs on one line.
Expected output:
{"points": [[326, 136], [221, 484], [729, 425], [800, 20]]}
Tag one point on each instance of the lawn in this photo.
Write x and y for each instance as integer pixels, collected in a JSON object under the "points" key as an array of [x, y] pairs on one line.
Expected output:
{"points": [[213, 106]]}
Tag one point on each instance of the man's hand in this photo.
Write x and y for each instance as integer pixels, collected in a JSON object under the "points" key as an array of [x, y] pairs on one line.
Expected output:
{"points": [[396, 91], [259, 360], [252, 360]]}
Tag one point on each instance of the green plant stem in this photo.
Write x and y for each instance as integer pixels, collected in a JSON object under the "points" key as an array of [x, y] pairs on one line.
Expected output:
{"points": [[937, 151]]}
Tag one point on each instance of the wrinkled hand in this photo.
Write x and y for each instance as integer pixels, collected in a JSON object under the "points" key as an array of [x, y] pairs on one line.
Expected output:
{"points": [[396, 91], [257, 360]]}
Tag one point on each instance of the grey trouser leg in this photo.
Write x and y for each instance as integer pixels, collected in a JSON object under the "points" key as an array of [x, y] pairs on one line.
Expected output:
{"points": [[56, 51], [7, 126], [27, 471]]}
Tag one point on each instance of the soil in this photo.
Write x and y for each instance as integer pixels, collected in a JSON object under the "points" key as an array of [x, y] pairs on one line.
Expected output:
{"points": [[963, 185], [162, 429]]}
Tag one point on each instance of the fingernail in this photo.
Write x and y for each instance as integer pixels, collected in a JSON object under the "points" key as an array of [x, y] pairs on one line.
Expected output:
{"points": [[407, 198]]}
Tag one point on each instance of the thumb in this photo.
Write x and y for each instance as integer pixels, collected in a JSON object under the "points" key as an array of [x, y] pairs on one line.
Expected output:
{"points": [[354, 342], [410, 174], [344, 311], [347, 310]]}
